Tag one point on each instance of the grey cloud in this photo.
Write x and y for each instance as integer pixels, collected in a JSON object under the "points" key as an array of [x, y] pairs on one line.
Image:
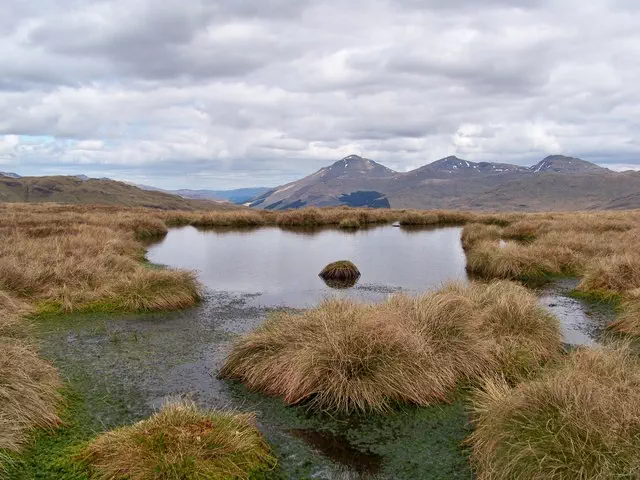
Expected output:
{"points": [[259, 92]]}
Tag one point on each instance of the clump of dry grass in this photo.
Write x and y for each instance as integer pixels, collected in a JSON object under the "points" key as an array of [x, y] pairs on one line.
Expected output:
{"points": [[597, 246], [345, 356], [28, 384], [241, 219], [419, 218], [477, 232], [181, 442], [93, 262], [616, 274], [489, 259], [628, 321], [579, 420], [527, 336], [28, 393], [349, 223], [342, 270]]}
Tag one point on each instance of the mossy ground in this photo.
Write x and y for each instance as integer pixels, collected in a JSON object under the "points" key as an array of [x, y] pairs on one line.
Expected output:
{"points": [[118, 369]]}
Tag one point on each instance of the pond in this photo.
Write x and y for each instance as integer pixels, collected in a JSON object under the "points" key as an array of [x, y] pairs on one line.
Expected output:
{"points": [[127, 366], [282, 266]]}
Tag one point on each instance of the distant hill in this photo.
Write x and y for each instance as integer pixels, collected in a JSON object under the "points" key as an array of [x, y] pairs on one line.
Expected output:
{"points": [[9, 175], [555, 183], [71, 189], [239, 195]]}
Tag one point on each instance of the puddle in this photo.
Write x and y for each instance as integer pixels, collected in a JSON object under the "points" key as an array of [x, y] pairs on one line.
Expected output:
{"points": [[338, 449], [582, 322]]}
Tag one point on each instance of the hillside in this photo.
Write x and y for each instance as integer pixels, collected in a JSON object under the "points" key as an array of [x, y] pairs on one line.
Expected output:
{"points": [[555, 183], [64, 189]]}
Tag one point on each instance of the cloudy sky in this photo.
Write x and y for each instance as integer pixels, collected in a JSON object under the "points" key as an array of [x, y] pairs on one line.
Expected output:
{"points": [[233, 93]]}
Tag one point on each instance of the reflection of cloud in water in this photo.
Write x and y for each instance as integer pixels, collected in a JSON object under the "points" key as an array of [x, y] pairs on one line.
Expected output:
{"points": [[283, 265]]}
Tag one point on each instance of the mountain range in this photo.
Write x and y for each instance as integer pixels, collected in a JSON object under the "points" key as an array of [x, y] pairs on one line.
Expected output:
{"points": [[557, 182]]}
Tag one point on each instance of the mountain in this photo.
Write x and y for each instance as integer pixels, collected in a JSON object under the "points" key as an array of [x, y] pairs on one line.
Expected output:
{"points": [[562, 164], [354, 181], [9, 175], [555, 183], [70, 189]]}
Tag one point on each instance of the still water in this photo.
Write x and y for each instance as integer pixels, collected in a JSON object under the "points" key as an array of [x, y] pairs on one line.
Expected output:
{"points": [[276, 267], [282, 266]]}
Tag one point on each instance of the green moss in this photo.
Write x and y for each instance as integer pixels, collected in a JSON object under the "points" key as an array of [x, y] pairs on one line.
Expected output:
{"points": [[598, 298], [411, 442], [49, 454]]}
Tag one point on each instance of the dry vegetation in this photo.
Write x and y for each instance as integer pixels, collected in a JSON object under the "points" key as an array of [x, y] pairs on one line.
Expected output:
{"points": [[28, 384], [63, 258], [345, 356], [600, 248], [579, 421], [181, 442], [341, 271]]}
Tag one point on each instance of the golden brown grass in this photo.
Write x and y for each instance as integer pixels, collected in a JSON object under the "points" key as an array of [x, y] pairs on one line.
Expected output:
{"points": [[580, 420], [181, 442], [56, 258], [72, 259], [28, 384], [342, 270], [345, 356], [613, 275], [628, 321], [599, 247]]}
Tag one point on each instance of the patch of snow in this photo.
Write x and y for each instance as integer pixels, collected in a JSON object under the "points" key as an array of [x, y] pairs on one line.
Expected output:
{"points": [[284, 189]]}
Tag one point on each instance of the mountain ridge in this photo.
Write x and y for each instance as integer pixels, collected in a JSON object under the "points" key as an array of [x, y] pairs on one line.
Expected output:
{"points": [[452, 182]]}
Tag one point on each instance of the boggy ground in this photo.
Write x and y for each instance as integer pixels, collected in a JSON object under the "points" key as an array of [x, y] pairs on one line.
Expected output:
{"points": [[118, 369], [56, 259]]}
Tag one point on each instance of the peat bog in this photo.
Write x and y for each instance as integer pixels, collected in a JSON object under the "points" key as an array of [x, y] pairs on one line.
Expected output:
{"points": [[125, 366]]}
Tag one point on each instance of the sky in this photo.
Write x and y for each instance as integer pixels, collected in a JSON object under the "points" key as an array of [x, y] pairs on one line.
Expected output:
{"points": [[238, 93]]}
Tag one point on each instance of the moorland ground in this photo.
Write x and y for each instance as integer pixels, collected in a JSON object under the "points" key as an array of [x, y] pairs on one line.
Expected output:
{"points": [[57, 258]]}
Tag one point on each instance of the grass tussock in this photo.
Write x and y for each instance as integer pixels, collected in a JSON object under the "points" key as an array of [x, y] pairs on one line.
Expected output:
{"points": [[181, 442], [28, 384], [579, 420], [75, 259], [612, 275], [349, 223], [628, 321], [598, 247], [342, 271], [344, 356]]}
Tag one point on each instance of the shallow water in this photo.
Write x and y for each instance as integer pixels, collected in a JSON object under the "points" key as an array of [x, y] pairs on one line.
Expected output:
{"points": [[127, 366]]}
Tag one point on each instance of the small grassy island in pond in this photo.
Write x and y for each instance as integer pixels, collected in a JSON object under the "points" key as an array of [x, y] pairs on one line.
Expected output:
{"points": [[345, 356], [342, 271], [579, 420], [181, 442]]}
